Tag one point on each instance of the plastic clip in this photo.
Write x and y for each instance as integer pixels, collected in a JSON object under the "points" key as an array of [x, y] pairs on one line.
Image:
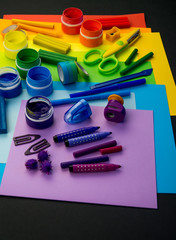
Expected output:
{"points": [[78, 112]]}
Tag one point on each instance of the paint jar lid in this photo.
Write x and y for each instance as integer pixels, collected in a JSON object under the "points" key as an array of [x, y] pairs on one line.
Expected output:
{"points": [[72, 15], [91, 28], [27, 58]]}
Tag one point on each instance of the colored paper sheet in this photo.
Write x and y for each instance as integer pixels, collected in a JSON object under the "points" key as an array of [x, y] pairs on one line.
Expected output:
{"points": [[133, 185], [13, 106], [2, 168], [136, 20]]}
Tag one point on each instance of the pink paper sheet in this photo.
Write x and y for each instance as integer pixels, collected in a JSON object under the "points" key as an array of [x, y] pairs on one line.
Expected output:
{"points": [[132, 185]]}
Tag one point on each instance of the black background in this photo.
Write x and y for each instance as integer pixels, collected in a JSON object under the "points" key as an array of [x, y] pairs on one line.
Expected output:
{"points": [[31, 219]]}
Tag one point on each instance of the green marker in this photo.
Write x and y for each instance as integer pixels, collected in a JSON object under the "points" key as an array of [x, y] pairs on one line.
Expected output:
{"points": [[137, 63], [131, 56]]}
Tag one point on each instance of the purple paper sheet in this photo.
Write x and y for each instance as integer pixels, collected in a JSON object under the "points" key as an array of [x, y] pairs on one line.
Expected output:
{"points": [[134, 184]]}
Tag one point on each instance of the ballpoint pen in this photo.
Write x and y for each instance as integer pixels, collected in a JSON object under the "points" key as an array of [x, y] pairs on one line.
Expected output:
{"points": [[86, 139], [123, 43]]}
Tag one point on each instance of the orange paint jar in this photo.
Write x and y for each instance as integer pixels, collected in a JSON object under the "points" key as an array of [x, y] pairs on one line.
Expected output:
{"points": [[91, 33]]}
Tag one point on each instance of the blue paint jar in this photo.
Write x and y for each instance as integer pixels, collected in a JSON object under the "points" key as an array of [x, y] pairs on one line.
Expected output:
{"points": [[10, 82], [39, 112], [39, 81]]}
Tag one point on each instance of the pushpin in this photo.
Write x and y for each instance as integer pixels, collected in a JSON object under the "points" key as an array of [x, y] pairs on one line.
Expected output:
{"points": [[115, 111]]}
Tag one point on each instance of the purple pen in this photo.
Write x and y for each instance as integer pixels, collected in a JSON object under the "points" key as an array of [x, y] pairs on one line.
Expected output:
{"points": [[100, 167], [94, 148]]}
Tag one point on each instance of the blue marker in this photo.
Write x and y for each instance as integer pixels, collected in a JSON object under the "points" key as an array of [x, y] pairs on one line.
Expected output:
{"points": [[88, 98], [75, 133], [86, 139], [109, 88]]}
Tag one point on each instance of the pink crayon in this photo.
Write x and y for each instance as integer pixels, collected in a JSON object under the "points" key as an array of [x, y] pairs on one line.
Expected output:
{"points": [[100, 167]]}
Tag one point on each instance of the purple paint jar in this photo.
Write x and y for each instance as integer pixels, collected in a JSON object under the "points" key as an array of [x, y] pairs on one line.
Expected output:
{"points": [[39, 112]]}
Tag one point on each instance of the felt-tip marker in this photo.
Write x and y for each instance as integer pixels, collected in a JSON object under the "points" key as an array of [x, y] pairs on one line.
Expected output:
{"points": [[99, 167]]}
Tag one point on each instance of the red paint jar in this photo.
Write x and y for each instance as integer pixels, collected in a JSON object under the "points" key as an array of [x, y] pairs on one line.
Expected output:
{"points": [[91, 33], [71, 20]]}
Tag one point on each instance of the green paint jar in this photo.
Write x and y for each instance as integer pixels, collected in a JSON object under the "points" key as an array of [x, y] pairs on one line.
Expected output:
{"points": [[25, 60]]}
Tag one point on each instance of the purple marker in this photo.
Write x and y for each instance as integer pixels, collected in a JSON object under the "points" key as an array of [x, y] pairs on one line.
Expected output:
{"points": [[99, 167]]}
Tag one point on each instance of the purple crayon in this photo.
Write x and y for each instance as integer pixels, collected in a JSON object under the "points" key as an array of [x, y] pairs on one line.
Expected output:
{"points": [[100, 167]]}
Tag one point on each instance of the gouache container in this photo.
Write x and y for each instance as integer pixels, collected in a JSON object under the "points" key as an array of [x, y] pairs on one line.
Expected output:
{"points": [[39, 112], [68, 72], [91, 33], [26, 59], [10, 82], [14, 41], [71, 20], [39, 81]]}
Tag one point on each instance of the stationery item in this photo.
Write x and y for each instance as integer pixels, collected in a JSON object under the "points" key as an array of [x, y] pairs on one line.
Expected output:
{"points": [[71, 20], [146, 72], [10, 28], [37, 147], [85, 161], [131, 56], [109, 88], [86, 139], [54, 58], [108, 22], [34, 23], [13, 42], [94, 148], [3, 123], [82, 72], [120, 188], [39, 112], [52, 43], [111, 149], [79, 112], [113, 34], [137, 63], [27, 138], [123, 42], [74, 133], [67, 72], [10, 82], [91, 33], [115, 111], [26, 59], [87, 98], [103, 62], [39, 81], [51, 32], [100, 167]]}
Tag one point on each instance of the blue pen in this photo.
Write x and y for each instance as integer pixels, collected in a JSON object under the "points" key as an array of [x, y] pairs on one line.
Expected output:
{"points": [[146, 72], [86, 139], [74, 133], [109, 88], [88, 98], [85, 161]]}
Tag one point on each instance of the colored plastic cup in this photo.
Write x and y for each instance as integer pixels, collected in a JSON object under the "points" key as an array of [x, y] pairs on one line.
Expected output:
{"points": [[39, 81], [14, 41], [71, 20], [91, 33], [26, 59], [10, 82]]}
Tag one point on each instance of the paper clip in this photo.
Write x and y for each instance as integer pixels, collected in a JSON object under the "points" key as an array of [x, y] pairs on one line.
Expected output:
{"points": [[78, 112]]}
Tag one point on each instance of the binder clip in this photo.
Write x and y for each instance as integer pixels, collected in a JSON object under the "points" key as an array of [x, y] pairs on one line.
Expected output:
{"points": [[78, 112], [115, 111]]}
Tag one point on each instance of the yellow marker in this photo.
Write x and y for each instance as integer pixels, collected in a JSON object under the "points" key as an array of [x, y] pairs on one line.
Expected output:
{"points": [[123, 42], [34, 23]]}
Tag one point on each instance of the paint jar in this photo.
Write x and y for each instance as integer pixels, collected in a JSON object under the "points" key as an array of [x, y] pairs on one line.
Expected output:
{"points": [[39, 81], [39, 112], [68, 72], [91, 33], [26, 59], [10, 82], [14, 41], [71, 20]]}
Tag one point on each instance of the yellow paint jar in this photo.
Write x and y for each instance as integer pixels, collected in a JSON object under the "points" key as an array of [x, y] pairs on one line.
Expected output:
{"points": [[13, 42]]}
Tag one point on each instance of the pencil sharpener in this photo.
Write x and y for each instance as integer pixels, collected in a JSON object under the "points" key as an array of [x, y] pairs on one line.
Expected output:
{"points": [[113, 34], [115, 111]]}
